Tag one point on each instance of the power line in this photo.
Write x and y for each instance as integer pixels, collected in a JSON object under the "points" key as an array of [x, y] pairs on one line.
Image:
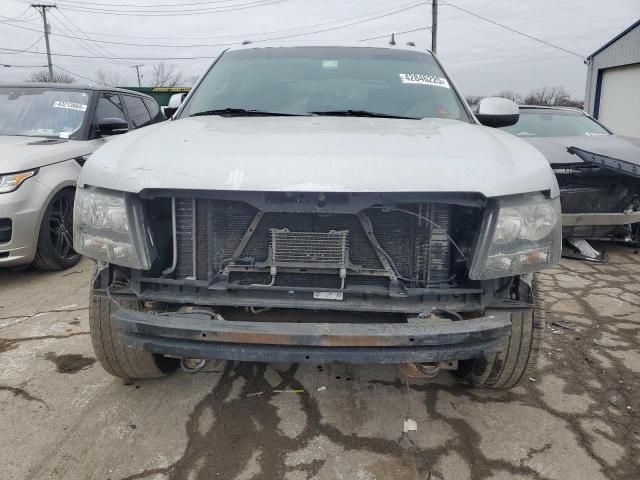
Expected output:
{"points": [[77, 41], [227, 44], [147, 13], [98, 48], [86, 46], [78, 75], [18, 18], [158, 8], [22, 66], [70, 34], [149, 6], [242, 36], [201, 57], [396, 33], [26, 50], [513, 30]]}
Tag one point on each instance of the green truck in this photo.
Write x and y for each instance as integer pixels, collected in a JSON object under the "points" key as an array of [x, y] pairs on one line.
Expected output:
{"points": [[161, 94]]}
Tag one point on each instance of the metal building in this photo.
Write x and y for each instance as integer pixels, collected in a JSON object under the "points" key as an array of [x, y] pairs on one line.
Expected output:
{"points": [[613, 83]]}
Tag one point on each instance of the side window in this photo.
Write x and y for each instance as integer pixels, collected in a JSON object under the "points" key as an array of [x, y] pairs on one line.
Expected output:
{"points": [[152, 106], [138, 113], [109, 106]]}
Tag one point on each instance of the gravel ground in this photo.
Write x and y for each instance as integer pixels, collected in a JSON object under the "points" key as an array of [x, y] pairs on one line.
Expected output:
{"points": [[63, 417]]}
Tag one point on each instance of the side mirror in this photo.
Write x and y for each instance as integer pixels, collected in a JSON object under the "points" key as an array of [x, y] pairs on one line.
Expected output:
{"points": [[174, 104], [112, 126], [497, 112]]}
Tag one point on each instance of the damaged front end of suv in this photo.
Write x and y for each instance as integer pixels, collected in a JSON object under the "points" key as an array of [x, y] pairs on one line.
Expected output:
{"points": [[358, 239]]}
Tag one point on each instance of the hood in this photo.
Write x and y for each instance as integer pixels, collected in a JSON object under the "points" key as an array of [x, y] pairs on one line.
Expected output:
{"points": [[18, 153], [614, 146], [320, 154]]}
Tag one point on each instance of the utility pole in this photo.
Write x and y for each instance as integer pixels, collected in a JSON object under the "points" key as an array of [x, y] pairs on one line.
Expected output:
{"points": [[43, 11], [434, 26], [137, 67]]}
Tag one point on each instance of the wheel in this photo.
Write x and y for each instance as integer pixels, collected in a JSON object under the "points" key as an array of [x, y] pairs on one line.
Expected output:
{"points": [[517, 361], [114, 356], [55, 239]]}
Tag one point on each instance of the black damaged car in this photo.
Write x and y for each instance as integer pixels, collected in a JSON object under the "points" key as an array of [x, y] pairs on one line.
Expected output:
{"points": [[598, 173]]}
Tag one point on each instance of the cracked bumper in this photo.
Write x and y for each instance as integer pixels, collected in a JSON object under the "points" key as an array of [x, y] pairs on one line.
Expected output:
{"points": [[198, 336]]}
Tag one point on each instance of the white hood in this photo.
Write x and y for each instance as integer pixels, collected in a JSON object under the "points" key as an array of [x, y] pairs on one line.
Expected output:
{"points": [[320, 154], [18, 153]]}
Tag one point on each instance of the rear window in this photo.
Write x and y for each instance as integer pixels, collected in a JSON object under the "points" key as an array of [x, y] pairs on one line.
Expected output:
{"points": [[152, 106], [138, 113], [540, 123]]}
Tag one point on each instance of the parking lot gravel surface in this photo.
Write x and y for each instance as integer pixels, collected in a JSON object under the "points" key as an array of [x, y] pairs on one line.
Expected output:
{"points": [[63, 417]]}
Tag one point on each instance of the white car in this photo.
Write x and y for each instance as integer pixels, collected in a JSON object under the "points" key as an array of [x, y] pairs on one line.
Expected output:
{"points": [[321, 204], [47, 131]]}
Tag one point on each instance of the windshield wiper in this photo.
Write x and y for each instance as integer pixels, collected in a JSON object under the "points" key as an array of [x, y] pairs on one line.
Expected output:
{"points": [[243, 112], [360, 113]]}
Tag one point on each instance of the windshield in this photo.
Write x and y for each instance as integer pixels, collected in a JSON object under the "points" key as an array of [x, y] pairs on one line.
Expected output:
{"points": [[41, 112], [555, 124], [313, 80]]}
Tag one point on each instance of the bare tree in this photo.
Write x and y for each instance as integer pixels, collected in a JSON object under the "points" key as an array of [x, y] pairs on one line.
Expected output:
{"points": [[473, 99], [165, 75], [191, 80], [551, 96], [509, 95], [574, 103], [111, 78], [43, 76]]}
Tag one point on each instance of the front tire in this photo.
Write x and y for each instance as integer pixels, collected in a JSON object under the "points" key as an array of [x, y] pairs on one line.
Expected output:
{"points": [[113, 355], [517, 360], [55, 237]]}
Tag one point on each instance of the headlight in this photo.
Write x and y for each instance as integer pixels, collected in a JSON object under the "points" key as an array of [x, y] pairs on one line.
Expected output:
{"points": [[519, 235], [11, 181], [108, 226]]}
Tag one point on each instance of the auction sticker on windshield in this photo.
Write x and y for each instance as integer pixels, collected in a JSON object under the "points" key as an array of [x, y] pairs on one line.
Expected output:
{"points": [[70, 105], [424, 79]]}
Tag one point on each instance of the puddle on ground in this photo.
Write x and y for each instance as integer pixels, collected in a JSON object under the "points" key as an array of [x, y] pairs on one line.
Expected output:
{"points": [[70, 363]]}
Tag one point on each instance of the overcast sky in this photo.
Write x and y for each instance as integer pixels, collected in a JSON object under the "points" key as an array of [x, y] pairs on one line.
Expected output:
{"points": [[482, 58]]}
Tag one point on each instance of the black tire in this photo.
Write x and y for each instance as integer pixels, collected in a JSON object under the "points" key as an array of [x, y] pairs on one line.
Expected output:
{"points": [[114, 356], [55, 237], [517, 361]]}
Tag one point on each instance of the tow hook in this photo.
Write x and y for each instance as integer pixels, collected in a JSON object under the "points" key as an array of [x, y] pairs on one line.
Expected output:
{"points": [[192, 365]]}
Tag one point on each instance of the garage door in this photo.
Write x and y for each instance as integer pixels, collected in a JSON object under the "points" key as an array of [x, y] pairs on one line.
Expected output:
{"points": [[620, 100]]}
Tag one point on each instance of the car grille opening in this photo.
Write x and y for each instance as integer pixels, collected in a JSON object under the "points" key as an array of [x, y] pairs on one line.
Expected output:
{"points": [[227, 242]]}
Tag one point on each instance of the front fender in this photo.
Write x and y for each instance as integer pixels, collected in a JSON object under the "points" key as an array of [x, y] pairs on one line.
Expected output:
{"points": [[55, 178]]}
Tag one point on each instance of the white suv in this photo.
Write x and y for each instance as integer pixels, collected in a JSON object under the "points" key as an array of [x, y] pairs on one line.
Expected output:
{"points": [[321, 204], [47, 131]]}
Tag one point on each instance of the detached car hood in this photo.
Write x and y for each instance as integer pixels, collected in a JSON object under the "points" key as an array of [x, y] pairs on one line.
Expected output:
{"points": [[19, 153], [321, 154], [555, 149]]}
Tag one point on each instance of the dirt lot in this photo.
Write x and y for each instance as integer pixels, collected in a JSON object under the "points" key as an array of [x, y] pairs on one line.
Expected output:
{"points": [[63, 417]]}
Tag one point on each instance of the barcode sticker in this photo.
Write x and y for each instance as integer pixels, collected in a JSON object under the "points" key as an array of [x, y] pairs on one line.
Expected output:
{"points": [[70, 105], [424, 79]]}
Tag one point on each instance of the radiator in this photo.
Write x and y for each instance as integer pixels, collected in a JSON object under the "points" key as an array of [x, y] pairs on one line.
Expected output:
{"points": [[414, 238]]}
